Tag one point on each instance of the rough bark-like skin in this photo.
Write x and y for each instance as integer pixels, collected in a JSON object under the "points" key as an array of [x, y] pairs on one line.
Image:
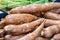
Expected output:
{"points": [[2, 24], [52, 15], [50, 31], [56, 37], [1, 32], [35, 8], [41, 38], [19, 18], [10, 37], [24, 28], [50, 22], [38, 14], [34, 34], [56, 10]]}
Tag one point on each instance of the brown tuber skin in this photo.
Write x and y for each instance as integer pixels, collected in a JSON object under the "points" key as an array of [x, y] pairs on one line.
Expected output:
{"points": [[2, 24], [52, 15], [2, 32], [10, 37], [24, 28], [19, 18], [34, 34], [56, 10], [41, 38], [36, 14], [2, 38], [50, 22], [56, 37], [35, 8], [50, 31]]}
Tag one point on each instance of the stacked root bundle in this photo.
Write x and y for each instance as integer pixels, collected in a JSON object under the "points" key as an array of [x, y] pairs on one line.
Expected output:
{"points": [[32, 22]]}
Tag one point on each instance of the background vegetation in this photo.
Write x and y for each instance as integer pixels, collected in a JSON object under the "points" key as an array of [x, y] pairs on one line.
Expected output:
{"points": [[9, 4]]}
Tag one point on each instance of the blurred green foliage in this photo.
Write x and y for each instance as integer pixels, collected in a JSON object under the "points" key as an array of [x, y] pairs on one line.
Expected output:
{"points": [[9, 4]]}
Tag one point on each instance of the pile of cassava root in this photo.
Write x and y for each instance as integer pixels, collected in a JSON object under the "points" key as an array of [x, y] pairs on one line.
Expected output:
{"points": [[32, 22]]}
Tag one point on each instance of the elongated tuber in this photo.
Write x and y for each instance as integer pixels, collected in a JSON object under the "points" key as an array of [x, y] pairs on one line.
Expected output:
{"points": [[52, 15], [19, 29], [10, 37], [50, 22], [50, 31], [35, 8], [19, 18], [34, 34], [56, 37]]}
